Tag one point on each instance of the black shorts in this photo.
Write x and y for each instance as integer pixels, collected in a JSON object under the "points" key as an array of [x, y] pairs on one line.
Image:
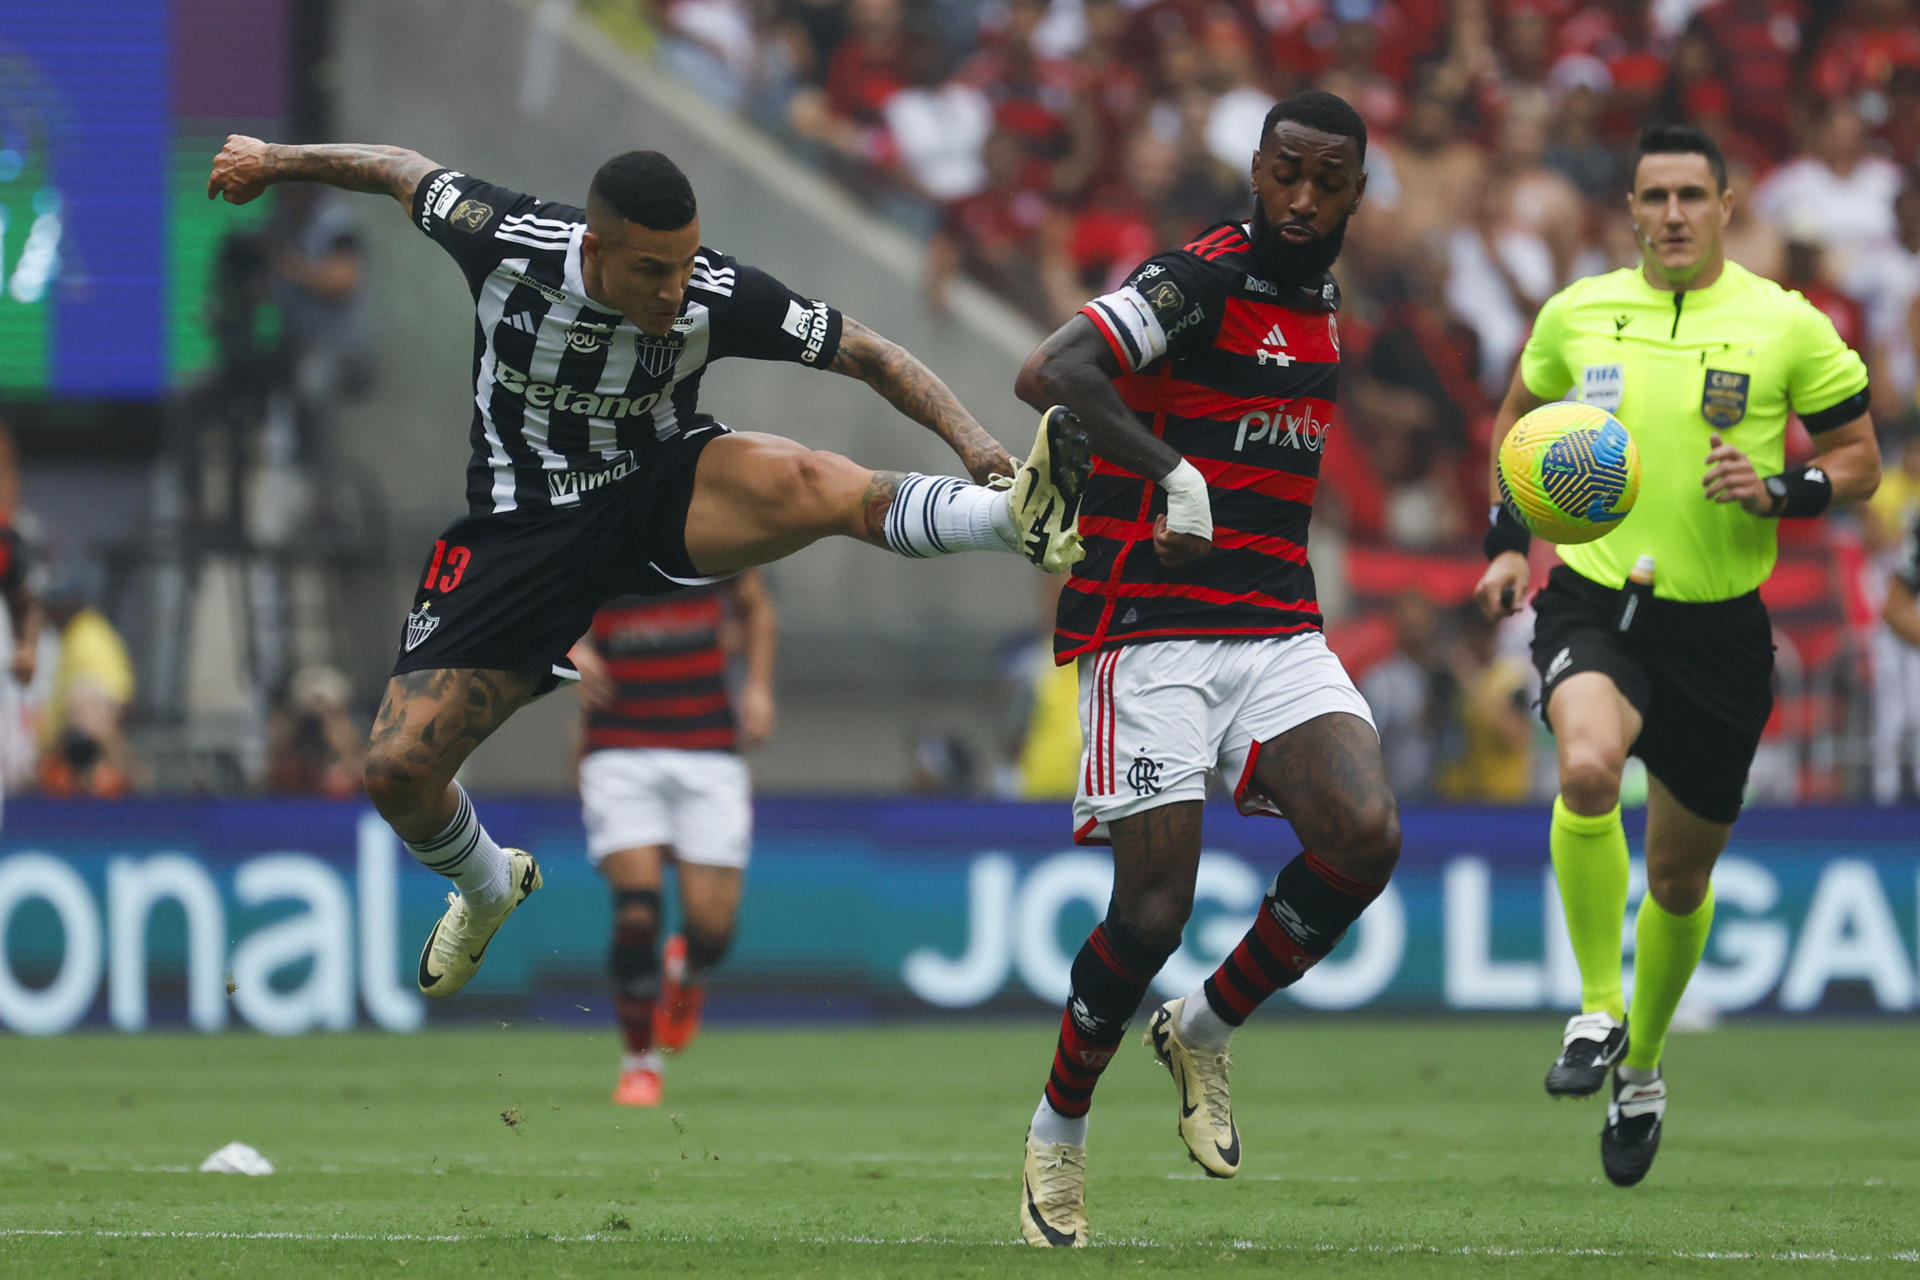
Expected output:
{"points": [[513, 591], [1700, 675]]}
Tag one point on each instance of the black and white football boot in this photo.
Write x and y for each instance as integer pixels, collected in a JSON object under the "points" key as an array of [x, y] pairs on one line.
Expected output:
{"points": [[1589, 1047], [1631, 1137]]}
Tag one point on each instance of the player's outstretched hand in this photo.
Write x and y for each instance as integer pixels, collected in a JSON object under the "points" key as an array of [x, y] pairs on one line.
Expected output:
{"points": [[1502, 589], [1731, 478], [240, 170], [1176, 549]]}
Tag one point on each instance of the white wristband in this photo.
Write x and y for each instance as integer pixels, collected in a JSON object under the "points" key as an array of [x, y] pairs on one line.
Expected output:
{"points": [[1188, 510]]}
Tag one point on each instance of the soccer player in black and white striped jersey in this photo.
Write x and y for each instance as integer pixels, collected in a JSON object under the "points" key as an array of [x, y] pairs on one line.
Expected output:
{"points": [[594, 474]]}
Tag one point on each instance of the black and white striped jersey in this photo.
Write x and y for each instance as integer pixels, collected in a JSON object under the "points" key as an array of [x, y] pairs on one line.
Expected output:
{"points": [[569, 397]]}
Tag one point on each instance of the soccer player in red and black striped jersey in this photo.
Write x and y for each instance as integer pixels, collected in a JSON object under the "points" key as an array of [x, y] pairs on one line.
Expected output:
{"points": [[661, 777], [1206, 384]]}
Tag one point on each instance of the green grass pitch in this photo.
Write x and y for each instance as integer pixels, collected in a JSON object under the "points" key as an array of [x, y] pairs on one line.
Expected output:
{"points": [[1378, 1148]]}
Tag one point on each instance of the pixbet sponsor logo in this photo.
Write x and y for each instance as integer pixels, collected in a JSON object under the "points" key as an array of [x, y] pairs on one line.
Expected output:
{"points": [[1294, 430]]}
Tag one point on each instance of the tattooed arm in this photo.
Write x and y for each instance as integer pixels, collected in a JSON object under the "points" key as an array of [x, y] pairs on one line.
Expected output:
{"points": [[917, 391], [246, 167]]}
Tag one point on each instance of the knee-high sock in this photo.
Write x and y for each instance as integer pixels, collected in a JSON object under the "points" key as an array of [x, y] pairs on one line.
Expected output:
{"points": [[464, 853], [942, 515], [634, 963], [1110, 976], [1306, 912], [1590, 866], [1666, 951]]}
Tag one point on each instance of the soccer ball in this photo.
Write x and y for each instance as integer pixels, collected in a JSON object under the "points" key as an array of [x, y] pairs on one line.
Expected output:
{"points": [[1569, 471]]}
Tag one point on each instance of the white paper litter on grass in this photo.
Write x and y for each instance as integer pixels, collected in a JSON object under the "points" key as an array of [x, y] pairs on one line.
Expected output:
{"points": [[237, 1157]]}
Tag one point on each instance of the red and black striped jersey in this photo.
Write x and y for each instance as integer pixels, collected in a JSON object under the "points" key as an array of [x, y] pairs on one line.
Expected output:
{"points": [[1238, 373], [670, 671]]}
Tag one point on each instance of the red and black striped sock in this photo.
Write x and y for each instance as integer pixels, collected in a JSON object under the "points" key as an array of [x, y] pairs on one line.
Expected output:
{"points": [[634, 963], [1110, 976], [1302, 918]]}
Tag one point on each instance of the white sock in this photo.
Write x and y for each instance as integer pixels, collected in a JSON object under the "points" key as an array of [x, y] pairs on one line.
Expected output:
{"points": [[941, 516], [648, 1061], [1638, 1075], [1199, 1024], [465, 854], [1050, 1126]]}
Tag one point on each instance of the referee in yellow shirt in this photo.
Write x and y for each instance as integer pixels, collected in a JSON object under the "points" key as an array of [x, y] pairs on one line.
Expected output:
{"points": [[1703, 361]]}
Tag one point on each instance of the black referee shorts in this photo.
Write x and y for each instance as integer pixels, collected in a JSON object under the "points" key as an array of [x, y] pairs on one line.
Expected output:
{"points": [[1700, 675], [513, 591]]}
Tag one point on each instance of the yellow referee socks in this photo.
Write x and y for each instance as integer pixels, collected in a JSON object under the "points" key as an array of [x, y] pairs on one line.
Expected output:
{"points": [[1666, 950], [1590, 865]]}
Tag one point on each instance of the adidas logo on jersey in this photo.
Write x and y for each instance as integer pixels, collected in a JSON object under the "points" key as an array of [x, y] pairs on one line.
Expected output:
{"points": [[1274, 338], [522, 321]]}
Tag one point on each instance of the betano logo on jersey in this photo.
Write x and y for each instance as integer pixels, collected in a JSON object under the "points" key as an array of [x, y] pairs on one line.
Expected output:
{"points": [[566, 399], [1294, 430]]}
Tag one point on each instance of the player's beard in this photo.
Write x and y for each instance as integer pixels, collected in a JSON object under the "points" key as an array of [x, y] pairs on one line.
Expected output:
{"points": [[1298, 264]]}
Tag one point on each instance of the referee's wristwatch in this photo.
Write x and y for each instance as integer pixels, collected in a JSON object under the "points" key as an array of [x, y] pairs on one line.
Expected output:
{"points": [[1800, 493]]}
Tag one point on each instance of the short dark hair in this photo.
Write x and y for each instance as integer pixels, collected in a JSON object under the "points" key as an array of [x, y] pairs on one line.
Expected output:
{"points": [[647, 188], [1677, 140], [1318, 109]]}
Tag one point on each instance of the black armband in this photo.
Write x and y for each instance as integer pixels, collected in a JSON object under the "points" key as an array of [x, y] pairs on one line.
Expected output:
{"points": [[1505, 532], [1799, 494]]}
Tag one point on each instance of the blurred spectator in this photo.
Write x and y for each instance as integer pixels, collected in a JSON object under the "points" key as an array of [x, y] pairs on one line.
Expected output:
{"points": [[1751, 240], [1037, 102], [1518, 246], [1442, 172], [314, 747], [1044, 711], [1805, 271], [1115, 89], [942, 763], [83, 748], [939, 128], [318, 262], [993, 235], [1495, 764], [1893, 529], [1409, 693], [1900, 131], [1893, 313], [879, 56], [1757, 46], [1840, 193], [1858, 54], [20, 628], [1418, 406], [712, 44], [1574, 147]]}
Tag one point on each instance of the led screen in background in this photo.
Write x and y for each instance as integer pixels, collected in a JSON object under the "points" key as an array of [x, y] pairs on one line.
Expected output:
{"points": [[110, 111]]}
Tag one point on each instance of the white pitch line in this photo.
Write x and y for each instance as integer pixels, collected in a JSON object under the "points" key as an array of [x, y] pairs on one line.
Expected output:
{"points": [[643, 1238]]}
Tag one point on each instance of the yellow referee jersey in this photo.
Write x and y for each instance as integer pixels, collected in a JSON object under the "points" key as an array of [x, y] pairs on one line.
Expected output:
{"points": [[1676, 367]]}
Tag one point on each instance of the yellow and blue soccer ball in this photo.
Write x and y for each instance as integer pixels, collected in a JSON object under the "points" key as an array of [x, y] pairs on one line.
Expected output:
{"points": [[1569, 471]]}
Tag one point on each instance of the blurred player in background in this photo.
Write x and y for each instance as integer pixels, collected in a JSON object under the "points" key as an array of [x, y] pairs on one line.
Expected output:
{"points": [[1206, 383], [1901, 613], [1703, 361], [594, 474], [661, 777]]}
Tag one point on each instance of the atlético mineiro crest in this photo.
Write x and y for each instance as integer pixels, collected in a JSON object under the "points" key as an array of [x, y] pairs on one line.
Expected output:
{"points": [[420, 625]]}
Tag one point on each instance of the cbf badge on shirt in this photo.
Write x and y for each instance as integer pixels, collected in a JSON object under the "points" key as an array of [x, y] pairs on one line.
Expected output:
{"points": [[1603, 386], [1723, 398]]}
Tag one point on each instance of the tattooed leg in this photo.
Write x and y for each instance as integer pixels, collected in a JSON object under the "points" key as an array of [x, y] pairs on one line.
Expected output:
{"points": [[429, 723], [1156, 855], [759, 498], [1329, 778]]}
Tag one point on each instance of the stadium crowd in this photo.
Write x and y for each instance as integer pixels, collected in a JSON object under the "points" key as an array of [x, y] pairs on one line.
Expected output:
{"points": [[1044, 147]]}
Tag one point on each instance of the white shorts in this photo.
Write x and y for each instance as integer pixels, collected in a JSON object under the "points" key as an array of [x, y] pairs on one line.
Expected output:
{"points": [[697, 802], [1159, 720]]}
